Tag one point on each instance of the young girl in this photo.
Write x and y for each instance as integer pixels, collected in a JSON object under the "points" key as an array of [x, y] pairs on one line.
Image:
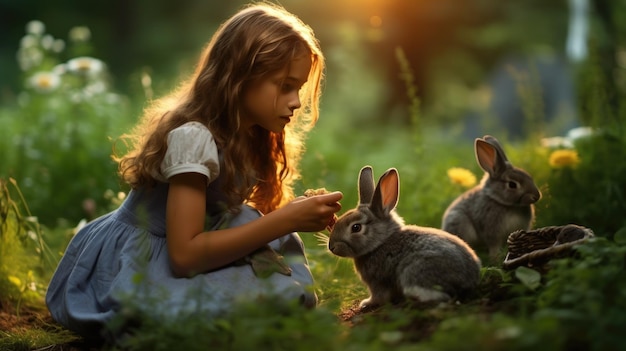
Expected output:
{"points": [[211, 168]]}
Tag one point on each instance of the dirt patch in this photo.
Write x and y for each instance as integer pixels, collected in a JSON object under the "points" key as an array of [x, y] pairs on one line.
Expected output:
{"points": [[18, 321]]}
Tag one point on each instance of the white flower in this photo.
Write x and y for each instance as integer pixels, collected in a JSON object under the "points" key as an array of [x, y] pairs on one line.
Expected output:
{"points": [[45, 82], [557, 142], [29, 58], [80, 34], [567, 141], [58, 46], [85, 65], [59, 69], [580, 132], [28, 41], [47, 41], [35, 27]]}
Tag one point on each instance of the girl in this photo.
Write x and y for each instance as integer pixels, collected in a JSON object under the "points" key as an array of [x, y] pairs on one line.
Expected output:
{"points": [[203, 164]]}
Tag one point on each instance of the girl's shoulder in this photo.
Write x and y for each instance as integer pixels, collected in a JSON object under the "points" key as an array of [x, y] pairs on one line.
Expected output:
{"points": [[192, 126], [190, 133], [190, 148]]}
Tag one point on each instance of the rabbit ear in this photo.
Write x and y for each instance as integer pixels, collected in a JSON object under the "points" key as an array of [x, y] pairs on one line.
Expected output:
{"points": [[366, 185], [490, 155], [386, 194]]}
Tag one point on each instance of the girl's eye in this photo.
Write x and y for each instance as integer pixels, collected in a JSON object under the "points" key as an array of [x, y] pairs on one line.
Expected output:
{"points": [[355, 228], [513, 185], [287, 88]]}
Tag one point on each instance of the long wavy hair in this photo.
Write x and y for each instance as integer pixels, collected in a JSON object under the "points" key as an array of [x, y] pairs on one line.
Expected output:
{"points": [[260, 166]]}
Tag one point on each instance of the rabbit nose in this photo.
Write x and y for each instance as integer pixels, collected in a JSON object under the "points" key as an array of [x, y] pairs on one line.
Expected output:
{"points": [[536, 196]]}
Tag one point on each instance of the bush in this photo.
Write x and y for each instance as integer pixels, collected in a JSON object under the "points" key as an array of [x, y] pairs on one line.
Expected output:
{"points": [[56, 135]]}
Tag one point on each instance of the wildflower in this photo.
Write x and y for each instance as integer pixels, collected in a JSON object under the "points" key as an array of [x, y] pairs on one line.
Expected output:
{"points": [[45, 82], [567, 141], [461, 176], [564, 158], [29, 58], [28, 41], [35, 27], [80, 34], [16, 281], [579, 133], [58, 46], [85, 65], [47, 41], [556, 142]]}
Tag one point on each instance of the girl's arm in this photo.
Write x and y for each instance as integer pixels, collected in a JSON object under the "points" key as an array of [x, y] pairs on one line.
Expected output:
{"points": [[193, 251]]}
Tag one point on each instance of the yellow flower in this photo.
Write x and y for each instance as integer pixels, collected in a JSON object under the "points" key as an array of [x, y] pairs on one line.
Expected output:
{"points": [[16, 281], [564, 158], [461, 176]]}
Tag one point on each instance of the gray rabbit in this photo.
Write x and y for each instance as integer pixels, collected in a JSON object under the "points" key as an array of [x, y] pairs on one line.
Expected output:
{"points": [[398, 261], [502, 203]]}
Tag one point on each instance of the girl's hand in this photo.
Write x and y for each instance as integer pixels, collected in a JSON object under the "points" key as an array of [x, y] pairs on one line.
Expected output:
{"points": [[313, 213]]}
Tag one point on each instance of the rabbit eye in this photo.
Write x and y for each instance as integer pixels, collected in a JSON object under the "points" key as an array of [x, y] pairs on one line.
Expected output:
{"points": [[355, 228], [513, 185]]}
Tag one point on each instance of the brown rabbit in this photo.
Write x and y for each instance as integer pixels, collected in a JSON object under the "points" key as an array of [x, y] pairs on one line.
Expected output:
{"points": [[502, 203], [398, 261]]}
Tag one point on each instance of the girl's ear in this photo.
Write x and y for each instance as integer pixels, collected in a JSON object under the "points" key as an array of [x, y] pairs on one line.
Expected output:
{"points": [[387, 192], [366, 185]]}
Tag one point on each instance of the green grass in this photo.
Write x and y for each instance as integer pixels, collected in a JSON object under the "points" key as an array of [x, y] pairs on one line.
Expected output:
{"points": [[579, 304], [506, 313]]}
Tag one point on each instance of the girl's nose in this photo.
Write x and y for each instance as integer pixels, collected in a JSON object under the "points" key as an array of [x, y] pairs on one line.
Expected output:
{"points": [[295, 103]]}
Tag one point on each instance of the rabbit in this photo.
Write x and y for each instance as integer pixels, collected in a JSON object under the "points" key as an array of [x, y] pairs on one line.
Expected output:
{"points": [[399, 262], [500, 204]]}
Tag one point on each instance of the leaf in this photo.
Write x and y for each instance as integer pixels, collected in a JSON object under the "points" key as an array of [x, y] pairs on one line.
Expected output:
{"points": [[620, 236], [529, 277]]}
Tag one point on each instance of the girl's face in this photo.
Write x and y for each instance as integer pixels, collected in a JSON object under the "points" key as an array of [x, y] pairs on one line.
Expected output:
{"points": [[270, 102]]}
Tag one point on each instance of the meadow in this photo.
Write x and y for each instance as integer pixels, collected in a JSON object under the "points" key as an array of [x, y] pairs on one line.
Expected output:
{"points": [[55, 144]]}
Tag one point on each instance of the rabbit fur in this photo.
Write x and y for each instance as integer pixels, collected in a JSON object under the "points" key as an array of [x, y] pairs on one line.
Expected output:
{"points": [[500, 204], [397, 261]]}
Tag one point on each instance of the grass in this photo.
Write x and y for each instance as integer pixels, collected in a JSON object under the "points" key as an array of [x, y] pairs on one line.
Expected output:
{"points": [[505, 313], [579, 304]]}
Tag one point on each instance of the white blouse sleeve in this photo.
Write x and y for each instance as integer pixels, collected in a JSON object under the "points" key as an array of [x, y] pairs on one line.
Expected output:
{"points": [[191, 149]]}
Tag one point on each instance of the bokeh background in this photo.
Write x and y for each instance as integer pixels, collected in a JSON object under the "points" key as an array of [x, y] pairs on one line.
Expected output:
{"points": [[409, 84]]}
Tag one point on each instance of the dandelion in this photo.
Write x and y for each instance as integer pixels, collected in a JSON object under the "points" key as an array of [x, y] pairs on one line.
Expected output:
{"points": [[15, 281], [45, 82], [85, 65], [462, 176], [564, 158]]}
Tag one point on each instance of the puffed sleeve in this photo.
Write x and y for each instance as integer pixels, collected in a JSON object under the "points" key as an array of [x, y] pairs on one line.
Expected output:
{"points": [[191, 149]]}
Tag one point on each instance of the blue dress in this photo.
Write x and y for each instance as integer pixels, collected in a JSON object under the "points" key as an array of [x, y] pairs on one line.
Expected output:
{"points": [[122, 256]]}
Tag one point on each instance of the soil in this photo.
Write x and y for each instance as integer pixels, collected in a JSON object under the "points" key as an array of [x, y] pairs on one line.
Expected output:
{"points": [[13, 321]]}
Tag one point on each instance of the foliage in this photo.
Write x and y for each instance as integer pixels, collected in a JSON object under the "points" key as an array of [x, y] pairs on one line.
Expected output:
{"points": [[24, 255], [588, 296], [56, 138], [578, 304], [266, 324]]}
